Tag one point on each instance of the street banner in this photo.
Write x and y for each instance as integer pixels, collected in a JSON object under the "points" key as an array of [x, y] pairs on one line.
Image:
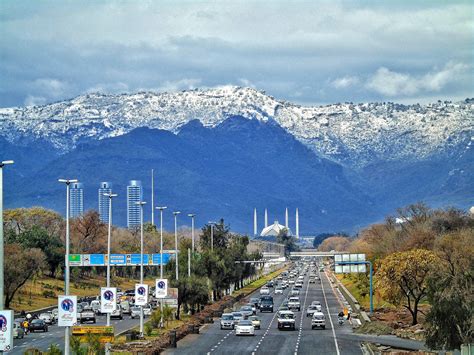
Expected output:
{"points": [[108, 299], [141, 294], [161, 290], [67, 311], [6, 330]]}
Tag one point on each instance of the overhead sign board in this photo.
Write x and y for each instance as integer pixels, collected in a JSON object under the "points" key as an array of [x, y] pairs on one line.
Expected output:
{"points": [[341, 268], [6, 330], [141, 294], [161, 289], [119, 259], [108, 299], [67, 311], [136, 259]]}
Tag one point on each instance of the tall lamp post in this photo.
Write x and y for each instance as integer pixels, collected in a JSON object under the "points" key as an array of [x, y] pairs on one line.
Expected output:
{"points": [[162, 208], [176, 213], [66, 275], [212, 224], [109, 234], [192, 229], [141, 203], [2, 164]]}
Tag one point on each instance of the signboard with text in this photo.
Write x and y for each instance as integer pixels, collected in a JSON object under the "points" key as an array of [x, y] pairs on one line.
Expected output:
{"points": [[108, 299], [341, 268], [6, 330], [141, 294], [161, 289], [119, 259], [67, 311]]}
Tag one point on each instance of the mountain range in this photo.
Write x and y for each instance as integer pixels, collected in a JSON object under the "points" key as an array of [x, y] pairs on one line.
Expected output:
{"points": [[222, 152]]}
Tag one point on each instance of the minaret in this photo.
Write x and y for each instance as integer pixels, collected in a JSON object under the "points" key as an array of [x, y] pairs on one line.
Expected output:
{"points": [[297, 225], [255, 222], [286, 218], [266, 218]]}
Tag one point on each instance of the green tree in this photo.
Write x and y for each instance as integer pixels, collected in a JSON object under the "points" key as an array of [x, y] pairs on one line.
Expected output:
{"points": [[402, 278], [288, 241]]}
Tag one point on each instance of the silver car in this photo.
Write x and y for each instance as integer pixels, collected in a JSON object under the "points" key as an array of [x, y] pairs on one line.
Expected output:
{"points": [[47, 317], [135, 312], [227, 321], [18, 331], [247, 311]]}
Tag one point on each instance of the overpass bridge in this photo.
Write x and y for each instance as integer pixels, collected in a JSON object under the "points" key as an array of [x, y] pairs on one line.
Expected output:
{"points": [[314, 252]]}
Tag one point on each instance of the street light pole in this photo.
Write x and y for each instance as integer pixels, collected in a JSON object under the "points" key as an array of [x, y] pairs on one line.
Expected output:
{"points": [[161, 255], [141, 203], [176, 213], [109, 235], [66, 274], [192, 229], [212, 224], [2, 164]]}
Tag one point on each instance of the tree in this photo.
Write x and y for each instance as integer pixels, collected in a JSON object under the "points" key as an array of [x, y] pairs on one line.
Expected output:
{"points": [[451, 292], [337, 243], [20, 265], [89, 233], [287, 240], [402, 278]]}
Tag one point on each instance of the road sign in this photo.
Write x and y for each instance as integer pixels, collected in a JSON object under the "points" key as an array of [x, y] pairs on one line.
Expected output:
{"points": [[341, 268], [118, 259], [75, 260], [136, 259], [161, 289], [97, 260], [67, 311], [157, 257], [106, 333], [108, 300], [141, 294], [6, 330]]}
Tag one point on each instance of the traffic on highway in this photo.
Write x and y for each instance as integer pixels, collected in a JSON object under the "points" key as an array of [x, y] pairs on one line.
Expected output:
{"points": [[298, 312]]}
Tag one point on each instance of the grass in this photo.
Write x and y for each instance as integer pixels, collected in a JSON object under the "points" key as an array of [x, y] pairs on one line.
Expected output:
{"points": [[258, 283], [42, 292], [364, 300]]}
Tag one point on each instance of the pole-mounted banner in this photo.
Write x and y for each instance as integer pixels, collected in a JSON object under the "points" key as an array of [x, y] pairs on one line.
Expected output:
{"points": [[67, 311], [108, 299], [6, 330], [141, 294], [161, 290]]}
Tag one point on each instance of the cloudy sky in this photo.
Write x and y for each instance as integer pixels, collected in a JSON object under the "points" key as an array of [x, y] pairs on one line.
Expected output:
{"points": [[310, 52]]}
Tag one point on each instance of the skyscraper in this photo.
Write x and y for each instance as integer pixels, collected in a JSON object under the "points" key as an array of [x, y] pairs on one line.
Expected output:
{"points": [[134, 194], [104, 201], [76, 195]]}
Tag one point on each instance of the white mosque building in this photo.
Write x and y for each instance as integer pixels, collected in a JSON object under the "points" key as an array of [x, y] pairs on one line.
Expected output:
{"points": [[275, 229]]}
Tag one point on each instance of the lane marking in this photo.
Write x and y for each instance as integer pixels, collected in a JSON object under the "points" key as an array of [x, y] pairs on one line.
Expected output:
{"points": [[329, 315], [303, 314]]}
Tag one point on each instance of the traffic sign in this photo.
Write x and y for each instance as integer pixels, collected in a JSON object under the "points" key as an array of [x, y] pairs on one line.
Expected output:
{"points": [[108, 301], [6, 330], [161, 289], [97, 260], [67, 311], [349, 263], [118, 259], [75, 260]]}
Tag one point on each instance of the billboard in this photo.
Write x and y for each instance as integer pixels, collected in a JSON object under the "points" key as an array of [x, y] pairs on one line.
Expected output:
{"points": [[108, 299], [67, 311], [141, 294], [6, 330]]}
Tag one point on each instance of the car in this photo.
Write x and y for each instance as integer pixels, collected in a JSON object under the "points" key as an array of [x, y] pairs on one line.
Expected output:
{"points": [[254, 309], [47, 317], [270, 284], [318, 320], [294, 292], [125, 307], [312, 280], [278, 290], [266, 304], [294, 303], [87, 315], [291, 282], [147, 310], [129, 293], [227, 321], [54, 314], [255, 321], [238, 316], [135, 312], [311, 310], [298, 284], [286, 319], [18, 331], [95, 305], [117, 313], [264, 291], [284, 284], [317, 304], [37, 324], [284, 307], [84, 304], [244, 327], [247, 311]]}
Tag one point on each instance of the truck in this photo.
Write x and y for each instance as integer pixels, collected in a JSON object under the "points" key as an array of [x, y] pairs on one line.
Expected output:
{"points": [[266, 304]]}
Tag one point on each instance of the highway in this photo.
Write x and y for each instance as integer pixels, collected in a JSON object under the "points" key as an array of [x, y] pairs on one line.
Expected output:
{"points": [[270, 340], [55, 334]]}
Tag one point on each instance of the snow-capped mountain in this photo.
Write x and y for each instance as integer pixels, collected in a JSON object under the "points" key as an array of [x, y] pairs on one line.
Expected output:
{"points": [[355, 135]]}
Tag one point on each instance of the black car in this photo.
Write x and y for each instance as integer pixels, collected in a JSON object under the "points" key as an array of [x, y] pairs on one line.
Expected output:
{"points": [[266, 304], [37, 324]]}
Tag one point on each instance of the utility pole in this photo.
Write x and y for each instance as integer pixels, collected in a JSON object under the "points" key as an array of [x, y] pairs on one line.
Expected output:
{"points": [[152, 198], [192, 229], [176, 213], [189, 262], [141, 203]]}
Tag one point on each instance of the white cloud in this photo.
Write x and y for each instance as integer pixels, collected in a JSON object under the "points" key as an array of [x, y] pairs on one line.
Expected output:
{"points": [[345, 82], [50, 87], [182, 84], [34, 100], [391, 83]]}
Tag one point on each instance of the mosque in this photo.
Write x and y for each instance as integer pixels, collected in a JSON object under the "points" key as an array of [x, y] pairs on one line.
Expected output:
{"points": [[274, 229]]}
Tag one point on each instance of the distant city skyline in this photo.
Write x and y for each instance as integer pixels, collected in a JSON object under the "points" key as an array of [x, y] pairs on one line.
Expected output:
{"points": [[311, 53]]}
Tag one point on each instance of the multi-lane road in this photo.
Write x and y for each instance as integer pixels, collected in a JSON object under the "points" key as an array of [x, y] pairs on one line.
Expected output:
{"points": [[55, 335], [270, 340]]}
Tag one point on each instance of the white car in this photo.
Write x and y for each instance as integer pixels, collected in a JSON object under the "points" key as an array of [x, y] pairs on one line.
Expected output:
{"points": [[312, 309], [318, 320], [238, 317], [147, 310], [278, 291], [245, 327], [47, 317], [227, 321], [136, 311], [286, 319], [264, 291], [317, 304], [294, 292]]}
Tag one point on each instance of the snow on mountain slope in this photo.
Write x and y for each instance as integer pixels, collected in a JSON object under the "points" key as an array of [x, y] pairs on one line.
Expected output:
{"points": [[355, 135]]}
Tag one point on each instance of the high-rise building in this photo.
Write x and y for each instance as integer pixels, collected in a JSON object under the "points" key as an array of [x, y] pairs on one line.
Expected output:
{"points": [[134, 194], [76, 195], [104, 201]]}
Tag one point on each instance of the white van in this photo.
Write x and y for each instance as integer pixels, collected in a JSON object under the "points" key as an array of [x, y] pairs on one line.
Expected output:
{"points": [[95, 305]]}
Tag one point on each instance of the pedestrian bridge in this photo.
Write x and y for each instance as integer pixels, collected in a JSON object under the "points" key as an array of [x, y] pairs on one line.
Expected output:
{"points": [[314, 252]]}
